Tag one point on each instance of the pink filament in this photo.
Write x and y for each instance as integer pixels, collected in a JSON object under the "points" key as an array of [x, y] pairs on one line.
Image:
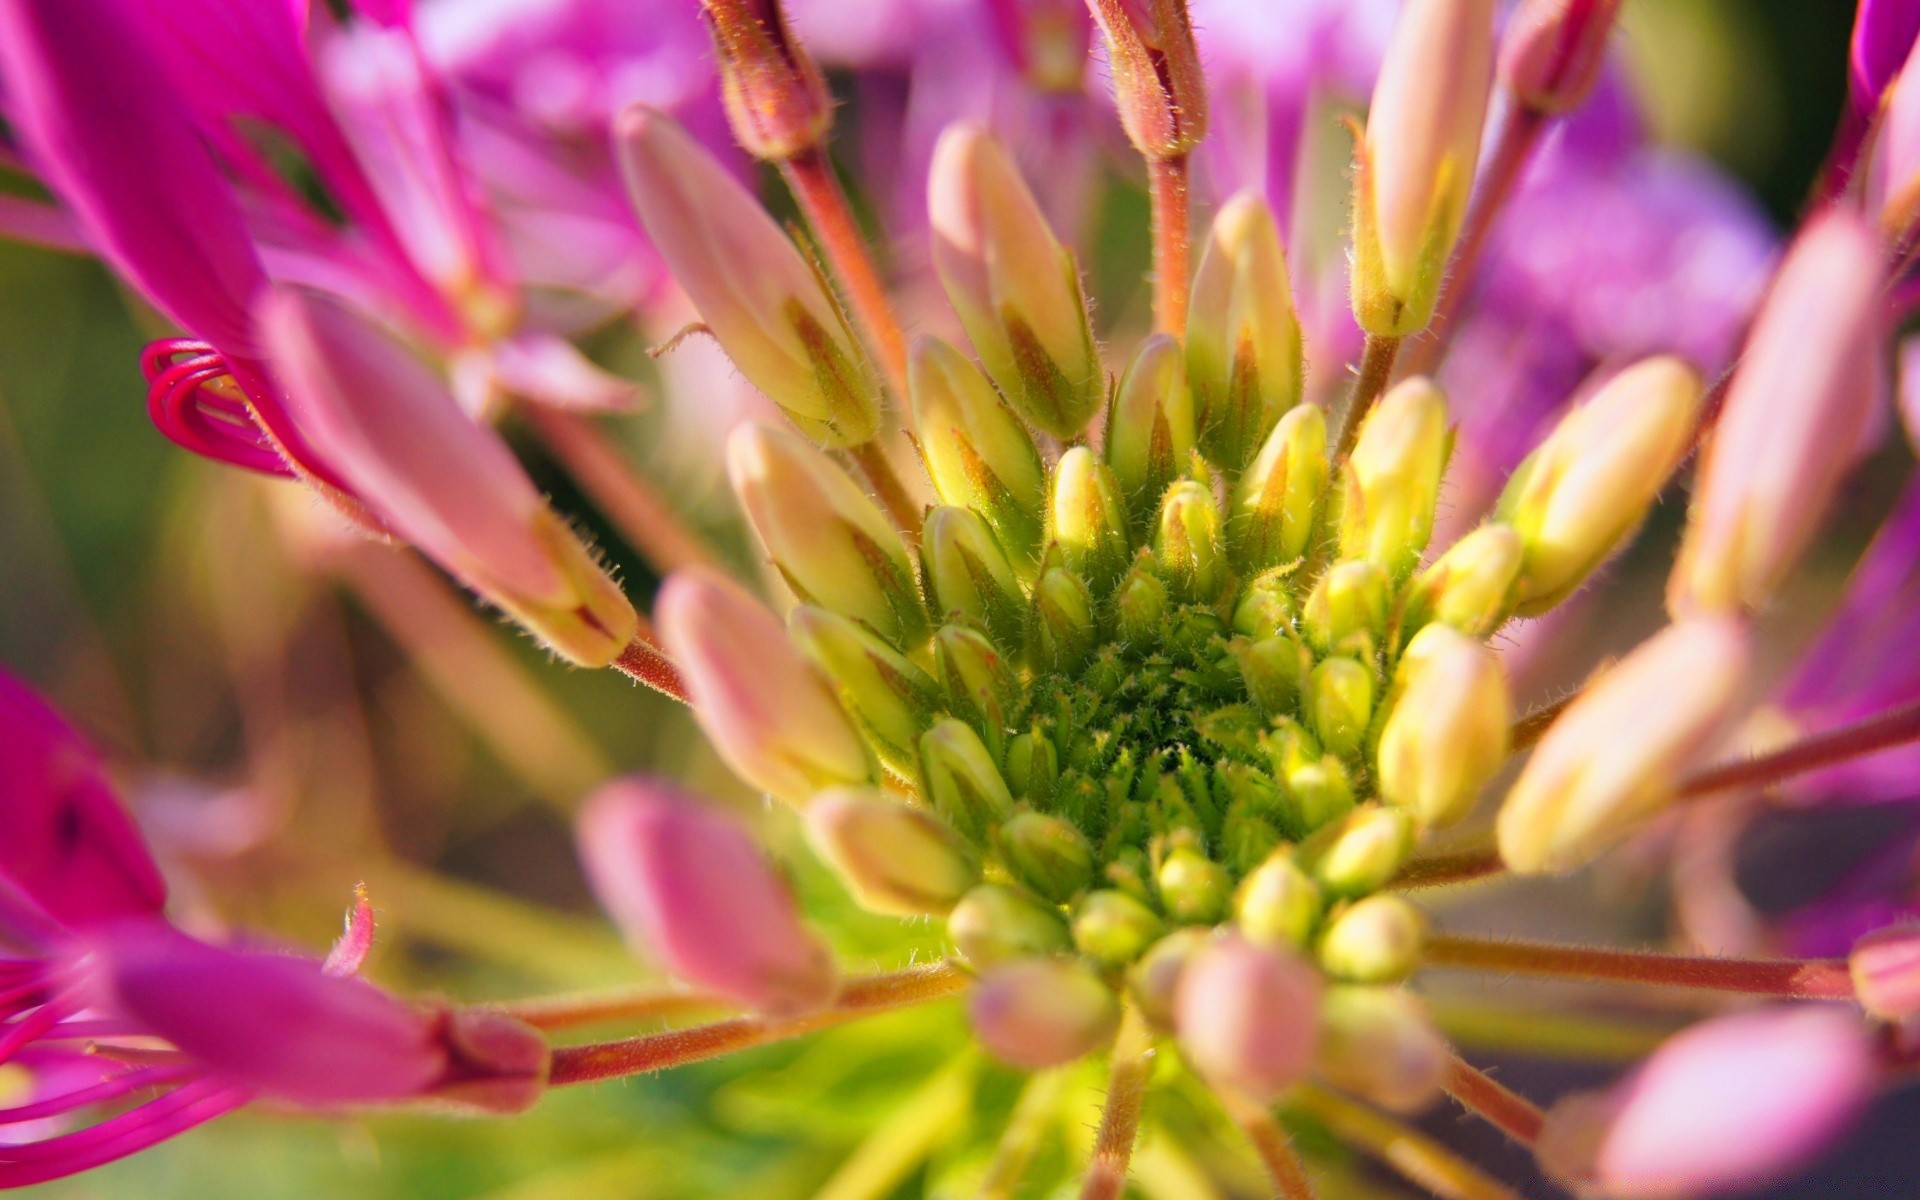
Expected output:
{"points": [[200, 418], [128, 1133], [125, 1083]]}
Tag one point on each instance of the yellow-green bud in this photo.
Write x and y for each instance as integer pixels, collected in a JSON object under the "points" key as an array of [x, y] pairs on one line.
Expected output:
{"points": [[1037, 1013], [970, 575], [1156, 976], [1194, 889], [1273, 669], [961, 779], [1347, 609], [1015, 288], [1322, 789], [1374, 940], [1364, 851], [1113, 929], [1471, 587], [1586, 487], [1339, 704], [1266, 607], [1391, 483], [1150, 433], [994, 924], [1089, 519], [1244, 356], [830, 541], [1033, 766], [1060, 629], [1140, 606], [1277, 502], [1380, 1044], [894, 858], [1450, 728], [889, 698], [1188, 544], [980, 683], [1278, 902], [978, 453], [1047, 854]]}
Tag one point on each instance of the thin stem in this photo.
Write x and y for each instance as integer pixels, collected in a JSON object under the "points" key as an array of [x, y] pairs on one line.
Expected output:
{"points": [[859, 998], [872, 461], [1120, 1117], [822, 199], [1571, 1035], [1272, 1144], [1506, 1110], [1458, 866], [1167, 180], [597, 1008], [1376, 371], [644, 662], [632, 503], [1505, 162], [1882, 731], [1528, 730], [1805, 979], [1413, 1154], [1021, 1139]]}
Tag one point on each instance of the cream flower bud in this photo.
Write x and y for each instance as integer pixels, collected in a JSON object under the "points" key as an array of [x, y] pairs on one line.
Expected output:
{"points": [[1150, 435], [1113, 928], [1278, 902], [1060, 629], [1041, 1012], [1377, 939], [1274, 670], [1450, 727], [1015, 288], [894, 858], [1588, 485], [1248, 1016], [1391, 483], [777, 102], [1244, 356], [1417, 160], [1193, 888], [977, 451], [1089, 519], [766, 306], [1159, 86], [994, 923], [1189, 544], [1613, 759], [1277, 501], [1154, 980], [1322, 788], [1380, 1044], [1047, 854], [830, 541], [890, 699], [764, 707], [961, 779], [1033, 766], [1364, 850], [1885, 966], [979, 682], [1266, 606], [1140, 604], [1347, 607], [1794, 417], [1551, 54], [969, 574], [1471, 587], [1339, 703]]}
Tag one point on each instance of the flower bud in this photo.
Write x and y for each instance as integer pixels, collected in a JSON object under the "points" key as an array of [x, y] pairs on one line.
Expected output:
{"points": [[1551, 54], [894, 858], [1159, 87], [1450, 728], [993, 924], [830, 541], [1472, 586], [1060, 631], [1377, 939], [1587, 486], [1189, 545], [1140, 606], [389, 426], [1364, 851], [1322, 788], [1041, 1012], [1416, 162], [685, 880], [1380, 1044], [977, 451], [1266, 606], [1047, 854], [890, 700], [1277, 502], [1886, 972], [1391, 484], [980, 685], [1248, 1016], [1795, 415], [961, 780], [764, 707], [496, 1064], [1114, 929], [1154, 980], [1278, 902], [1244, 357], [1015, 288], [1339, 703], [1194, 890], [1347, 608], [1150, 435], [1090, 519], [1033, 766], [764, 304], [777, 102], [969, 574], [1613, 759], [1273, 669]]}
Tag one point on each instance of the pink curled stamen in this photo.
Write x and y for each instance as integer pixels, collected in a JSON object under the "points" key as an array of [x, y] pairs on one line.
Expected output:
{"points": [[130, 1132], [193, 402]]}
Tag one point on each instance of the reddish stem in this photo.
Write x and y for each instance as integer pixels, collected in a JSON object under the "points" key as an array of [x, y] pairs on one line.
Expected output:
{"points": [[595, 1008], [1120, 1118], [810, 175], [1460, 866], [1376, 371], [643, 661], [1167, 180], [1804, 979], [1882, 731], [1506, 1110]]}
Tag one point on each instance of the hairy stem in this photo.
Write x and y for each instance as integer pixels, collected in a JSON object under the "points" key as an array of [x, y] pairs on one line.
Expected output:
{"points": [[1271, 1143], [1458, 866], [821, 198], [1021, 1139], [859, 998], [632, 503], [1882, 731], [887, 484], [1120, 1117], [644, 662], [1417, 1157], [1806, 979], [1167, 180], [1376, 371], [625, 1004], [1529, 729], [1506, 1110]]}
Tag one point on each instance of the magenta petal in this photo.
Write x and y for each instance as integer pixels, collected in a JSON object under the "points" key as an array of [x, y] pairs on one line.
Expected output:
{"points": [[1883, 35], [271, 1022], [65, 842]]}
